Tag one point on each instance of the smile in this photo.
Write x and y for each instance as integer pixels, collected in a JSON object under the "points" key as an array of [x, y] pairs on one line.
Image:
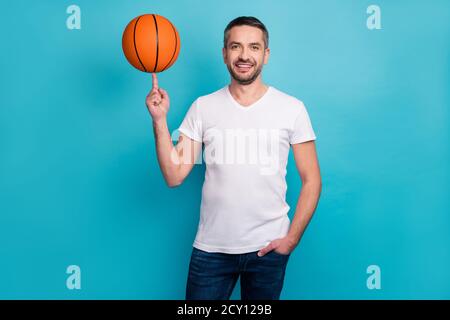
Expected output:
{"points": [[243, 67]]}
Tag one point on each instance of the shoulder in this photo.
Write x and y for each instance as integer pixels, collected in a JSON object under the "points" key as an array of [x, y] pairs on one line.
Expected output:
{"points": [[288, 102], [212, 98], [211, 104]]}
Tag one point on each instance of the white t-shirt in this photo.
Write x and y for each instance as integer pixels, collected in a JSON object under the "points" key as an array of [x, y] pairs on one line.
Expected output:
{"points": [[243, 206]]}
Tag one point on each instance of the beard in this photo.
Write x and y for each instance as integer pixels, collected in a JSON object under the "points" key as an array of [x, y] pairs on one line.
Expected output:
{"points": [[247, 78]]}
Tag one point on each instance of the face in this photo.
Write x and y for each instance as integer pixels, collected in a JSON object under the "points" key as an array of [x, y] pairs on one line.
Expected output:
{"points": [[245, 54]]}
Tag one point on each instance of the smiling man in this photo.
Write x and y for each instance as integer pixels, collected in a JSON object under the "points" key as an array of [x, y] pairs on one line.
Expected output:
{"points": [[247, 129]]}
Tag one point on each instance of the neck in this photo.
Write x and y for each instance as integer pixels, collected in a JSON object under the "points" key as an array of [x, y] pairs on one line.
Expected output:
{"points": [[245, 92]]}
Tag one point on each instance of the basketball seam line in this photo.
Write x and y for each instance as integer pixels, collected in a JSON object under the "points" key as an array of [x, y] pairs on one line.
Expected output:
{"points": [[176, 45], [157, 43], [134, 42]]}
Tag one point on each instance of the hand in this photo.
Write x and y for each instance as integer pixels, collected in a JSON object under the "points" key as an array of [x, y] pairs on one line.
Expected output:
{"points": [[157, 101], [282, 246]]}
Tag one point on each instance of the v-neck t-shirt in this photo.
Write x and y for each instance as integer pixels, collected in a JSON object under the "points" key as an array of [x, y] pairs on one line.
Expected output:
{"points": [[246, 148]]}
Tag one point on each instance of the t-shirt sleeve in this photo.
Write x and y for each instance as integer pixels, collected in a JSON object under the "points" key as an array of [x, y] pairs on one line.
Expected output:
{"points": [[302, 130], [191, 125]]}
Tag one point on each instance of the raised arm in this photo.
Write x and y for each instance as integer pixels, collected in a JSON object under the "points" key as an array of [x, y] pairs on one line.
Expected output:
{"points": [[177, 161]]}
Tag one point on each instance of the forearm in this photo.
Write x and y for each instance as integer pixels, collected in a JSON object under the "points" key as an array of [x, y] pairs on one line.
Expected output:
{"points": [[306, 205], [167, 156]]}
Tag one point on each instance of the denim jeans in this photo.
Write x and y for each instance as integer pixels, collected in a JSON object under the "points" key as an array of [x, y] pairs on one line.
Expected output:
{"points": [[213, 276]]}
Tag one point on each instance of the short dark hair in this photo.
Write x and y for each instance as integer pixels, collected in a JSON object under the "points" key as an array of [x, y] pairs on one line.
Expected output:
{"points": [[246, 21]]}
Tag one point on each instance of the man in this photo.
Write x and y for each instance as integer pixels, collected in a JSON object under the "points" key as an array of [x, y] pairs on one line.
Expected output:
{"points": [[247, 129]]}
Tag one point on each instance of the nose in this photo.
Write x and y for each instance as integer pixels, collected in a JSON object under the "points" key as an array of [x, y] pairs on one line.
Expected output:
{"points": [[243, 55]]}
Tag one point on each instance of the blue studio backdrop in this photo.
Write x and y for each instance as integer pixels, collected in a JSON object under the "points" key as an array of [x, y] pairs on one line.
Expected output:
{"points": [[80, 183]]}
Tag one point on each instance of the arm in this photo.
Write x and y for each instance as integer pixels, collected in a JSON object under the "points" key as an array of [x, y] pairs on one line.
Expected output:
{"points": [[177, 161], [308, 167]]}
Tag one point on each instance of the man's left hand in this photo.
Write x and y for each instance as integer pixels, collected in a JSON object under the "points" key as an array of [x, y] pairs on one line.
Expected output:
{"points": [[282, 246]]}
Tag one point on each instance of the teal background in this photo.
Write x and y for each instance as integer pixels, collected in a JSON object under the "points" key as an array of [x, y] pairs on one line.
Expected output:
{"points": [[80, 182]]}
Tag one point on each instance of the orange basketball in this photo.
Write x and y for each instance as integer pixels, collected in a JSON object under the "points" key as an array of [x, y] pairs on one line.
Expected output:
{"points": [[151, 43]]}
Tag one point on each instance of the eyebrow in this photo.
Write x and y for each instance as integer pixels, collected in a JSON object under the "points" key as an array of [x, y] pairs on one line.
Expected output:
{"points": [[252, 43]]}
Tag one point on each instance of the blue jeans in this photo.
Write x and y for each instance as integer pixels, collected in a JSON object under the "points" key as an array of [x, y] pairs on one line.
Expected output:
{"points": [[213, 276]]}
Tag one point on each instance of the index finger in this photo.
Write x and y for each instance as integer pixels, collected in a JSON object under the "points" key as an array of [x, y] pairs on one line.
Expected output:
{"points": [[155, 81]]}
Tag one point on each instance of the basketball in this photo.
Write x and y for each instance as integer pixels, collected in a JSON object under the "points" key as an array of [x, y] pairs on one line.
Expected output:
{"points": [[151, 43]]}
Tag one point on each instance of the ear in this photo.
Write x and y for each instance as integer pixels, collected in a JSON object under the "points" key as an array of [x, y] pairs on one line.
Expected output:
{"points": [[224, 54], [266, 55]]}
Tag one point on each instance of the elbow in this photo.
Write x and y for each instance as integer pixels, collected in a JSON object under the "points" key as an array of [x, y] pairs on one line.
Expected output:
{"points": [[173, 178], [319, 188], [173, 183], [319, 185], [315, 184]]}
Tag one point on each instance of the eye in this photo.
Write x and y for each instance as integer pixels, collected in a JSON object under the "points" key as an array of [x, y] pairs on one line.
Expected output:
{"points": [[255, 47]]}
